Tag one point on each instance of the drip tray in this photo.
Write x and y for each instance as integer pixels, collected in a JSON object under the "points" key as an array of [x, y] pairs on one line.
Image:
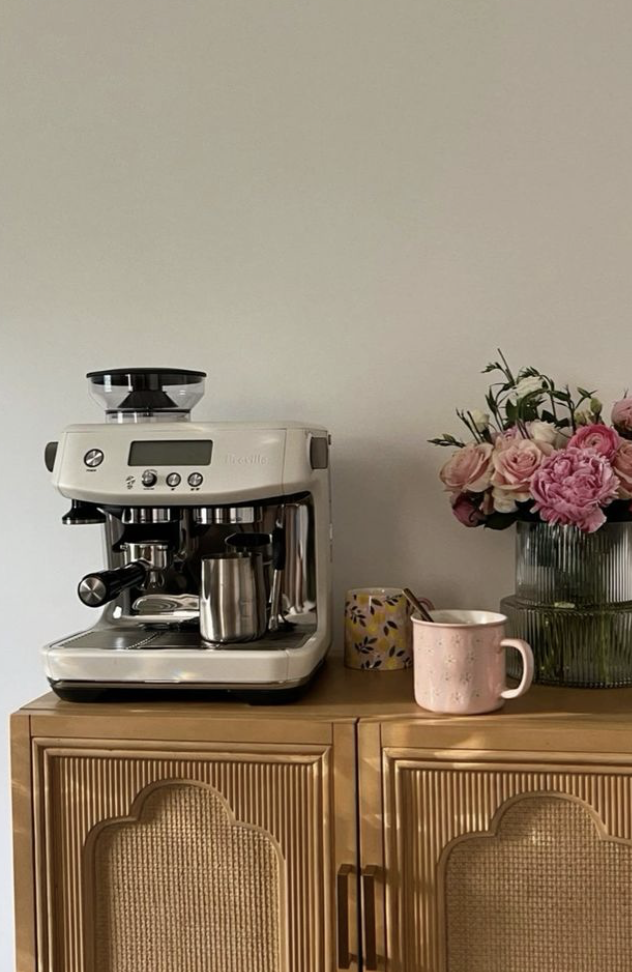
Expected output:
{"points": [[109, 639]]}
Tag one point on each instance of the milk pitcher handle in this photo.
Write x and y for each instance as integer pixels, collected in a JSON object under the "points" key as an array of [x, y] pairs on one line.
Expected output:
{"points": [[527, 666]]}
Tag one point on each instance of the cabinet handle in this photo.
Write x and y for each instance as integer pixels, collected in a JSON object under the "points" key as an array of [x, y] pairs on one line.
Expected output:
{"points": [[369, 875], [342, 888]]}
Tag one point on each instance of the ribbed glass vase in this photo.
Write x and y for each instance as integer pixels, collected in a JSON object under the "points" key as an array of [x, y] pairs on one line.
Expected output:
{"points": [[573, 604]]}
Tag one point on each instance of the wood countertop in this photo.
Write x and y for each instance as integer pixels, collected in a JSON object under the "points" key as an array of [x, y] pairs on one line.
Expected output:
{"points": [[338, 694]]}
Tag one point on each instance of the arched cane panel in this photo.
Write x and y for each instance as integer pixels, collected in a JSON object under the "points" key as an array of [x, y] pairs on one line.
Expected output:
{"points": [[278, 791], [454, 904], [546, 889], [183, 886]]}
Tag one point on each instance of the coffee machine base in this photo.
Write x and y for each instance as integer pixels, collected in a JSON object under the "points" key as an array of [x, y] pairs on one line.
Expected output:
{"points": [[110, 662], [192, 692]]}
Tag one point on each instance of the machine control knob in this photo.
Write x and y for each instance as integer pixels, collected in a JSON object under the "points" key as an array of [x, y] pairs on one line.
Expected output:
{"points": [[93, 458], [149, 478], [173, 479], [195, 479]]}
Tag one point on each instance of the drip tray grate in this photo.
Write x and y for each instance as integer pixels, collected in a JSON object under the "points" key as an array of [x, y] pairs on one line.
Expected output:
{"points": [[109, 639]]}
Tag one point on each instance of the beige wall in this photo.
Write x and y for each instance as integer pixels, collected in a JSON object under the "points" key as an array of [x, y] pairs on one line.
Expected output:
{"points": [[338, 208]]}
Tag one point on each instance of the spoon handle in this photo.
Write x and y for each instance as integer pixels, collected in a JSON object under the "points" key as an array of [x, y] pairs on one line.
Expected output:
{"points": [[416, 603]]}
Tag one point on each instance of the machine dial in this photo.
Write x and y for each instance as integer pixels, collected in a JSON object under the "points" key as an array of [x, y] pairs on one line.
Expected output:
{"points": [[173, 479], [93, 458], [195, 479], [149, 478]]}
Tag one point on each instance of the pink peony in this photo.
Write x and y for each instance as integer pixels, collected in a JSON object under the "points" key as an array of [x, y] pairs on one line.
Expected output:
{"points": [[570, 487], [466, 511], [601, 438], [514, 465], [469, 469], [622, 466], [622, 417]]}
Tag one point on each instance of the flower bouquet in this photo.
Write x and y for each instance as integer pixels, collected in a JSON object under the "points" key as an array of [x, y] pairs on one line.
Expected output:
{"points": [[540, 454], [542, 457]]}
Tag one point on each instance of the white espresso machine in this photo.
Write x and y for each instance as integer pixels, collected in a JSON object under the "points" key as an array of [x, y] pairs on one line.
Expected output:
{"points": [[217, 541]]}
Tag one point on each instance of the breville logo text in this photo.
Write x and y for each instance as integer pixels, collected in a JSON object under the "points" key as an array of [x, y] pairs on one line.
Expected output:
{"points": [[255, 459]]}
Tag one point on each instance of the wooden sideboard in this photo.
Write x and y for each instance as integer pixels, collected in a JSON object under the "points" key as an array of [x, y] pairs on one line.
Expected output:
{"points": [[350, 830]]}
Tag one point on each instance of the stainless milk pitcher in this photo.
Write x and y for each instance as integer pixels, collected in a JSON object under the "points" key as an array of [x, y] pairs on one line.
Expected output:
{"points": [[233, 598]]}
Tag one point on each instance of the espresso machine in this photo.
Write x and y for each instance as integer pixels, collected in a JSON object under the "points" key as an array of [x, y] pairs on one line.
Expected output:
{"points": [[217, 540]]}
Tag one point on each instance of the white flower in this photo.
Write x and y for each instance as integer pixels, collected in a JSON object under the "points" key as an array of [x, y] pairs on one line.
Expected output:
{"points": [[526, 386], [480, 419], [542, 432], [546, 435], [506, 502]]}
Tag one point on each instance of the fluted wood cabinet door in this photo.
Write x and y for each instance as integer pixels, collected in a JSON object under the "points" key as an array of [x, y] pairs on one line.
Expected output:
{"points": [[195, 856], [491, 859]]}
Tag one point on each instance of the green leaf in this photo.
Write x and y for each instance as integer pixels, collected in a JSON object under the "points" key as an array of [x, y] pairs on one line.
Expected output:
{"points": [[448, 441], [505, 367]]}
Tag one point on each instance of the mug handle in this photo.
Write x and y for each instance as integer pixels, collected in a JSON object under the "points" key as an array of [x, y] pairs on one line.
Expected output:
{"points": [[425, 601], [527, 665]]}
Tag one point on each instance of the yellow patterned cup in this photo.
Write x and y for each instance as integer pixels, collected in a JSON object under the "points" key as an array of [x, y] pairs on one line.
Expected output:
{"points": [[378, 629]]}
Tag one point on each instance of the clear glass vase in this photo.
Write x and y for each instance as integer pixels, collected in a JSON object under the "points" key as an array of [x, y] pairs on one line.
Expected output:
{"points": [[573, 604]]}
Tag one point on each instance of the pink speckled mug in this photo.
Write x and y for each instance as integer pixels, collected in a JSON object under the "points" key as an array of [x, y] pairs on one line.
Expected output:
{"points": [[459, 661]]}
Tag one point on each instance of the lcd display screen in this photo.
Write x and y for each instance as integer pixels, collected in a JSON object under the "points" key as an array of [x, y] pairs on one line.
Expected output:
{"points": [[167, 452]]}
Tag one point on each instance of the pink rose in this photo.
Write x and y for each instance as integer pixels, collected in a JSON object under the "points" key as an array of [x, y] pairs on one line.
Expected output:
{"points": [[572, 486], [514, 466], [508, 435], [601, 438], [469, 469], [466, 511], [622, 417], [622, 465]]}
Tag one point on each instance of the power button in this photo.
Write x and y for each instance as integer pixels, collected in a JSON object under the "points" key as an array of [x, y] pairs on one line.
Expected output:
{"points": [[93, 458]]}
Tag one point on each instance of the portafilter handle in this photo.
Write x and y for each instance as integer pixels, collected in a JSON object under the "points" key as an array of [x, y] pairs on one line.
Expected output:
{"points": [[102, 586]]}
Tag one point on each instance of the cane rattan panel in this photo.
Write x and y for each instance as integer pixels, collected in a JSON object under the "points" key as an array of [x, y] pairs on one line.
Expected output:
{"points": [[543, 891], [506, 867], [183, 883], [144, 856]]}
